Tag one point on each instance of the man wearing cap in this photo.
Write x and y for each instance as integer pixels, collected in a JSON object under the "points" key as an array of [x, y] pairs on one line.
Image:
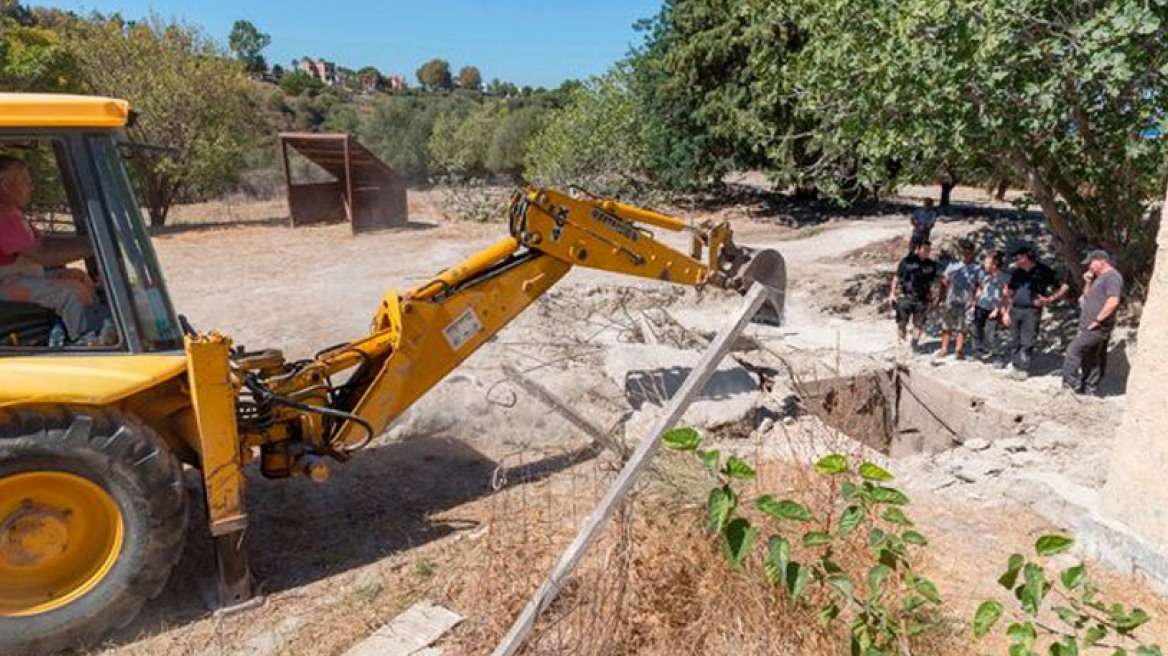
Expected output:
{"points": [[1086, 360], [1033, 286], [958, 286]]}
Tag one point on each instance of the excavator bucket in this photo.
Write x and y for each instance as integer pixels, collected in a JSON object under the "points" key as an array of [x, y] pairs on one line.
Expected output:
{"points": [[769, 269]]}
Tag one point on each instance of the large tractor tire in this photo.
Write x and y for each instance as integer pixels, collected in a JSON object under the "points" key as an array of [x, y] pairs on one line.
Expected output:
{"points": [[92, 520]]}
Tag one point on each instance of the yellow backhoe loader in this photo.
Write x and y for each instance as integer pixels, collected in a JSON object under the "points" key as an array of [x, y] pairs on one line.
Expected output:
{"points": [[95, 433]]}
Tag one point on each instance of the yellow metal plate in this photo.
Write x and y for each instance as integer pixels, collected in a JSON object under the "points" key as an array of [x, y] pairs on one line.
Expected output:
{"points": [[83, 379], [45, 110]]}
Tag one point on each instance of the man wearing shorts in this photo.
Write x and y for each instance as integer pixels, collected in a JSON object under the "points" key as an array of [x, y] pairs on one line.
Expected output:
{"points": [[959, 286], [911, 291]]}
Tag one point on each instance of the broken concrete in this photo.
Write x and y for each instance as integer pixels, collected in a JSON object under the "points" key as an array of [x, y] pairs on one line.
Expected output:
{"points": [[650, 374], [409, 634]]}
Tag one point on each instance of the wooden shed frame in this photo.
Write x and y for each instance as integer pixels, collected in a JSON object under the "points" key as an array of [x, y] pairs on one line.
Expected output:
{"points": [[366, 192]]}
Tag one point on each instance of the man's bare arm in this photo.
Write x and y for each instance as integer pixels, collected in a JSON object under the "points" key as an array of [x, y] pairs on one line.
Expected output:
{"points": [[54, 250]]}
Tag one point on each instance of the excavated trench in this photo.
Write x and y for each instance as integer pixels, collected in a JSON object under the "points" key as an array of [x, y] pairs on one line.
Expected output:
{"points": [[903, 411]]}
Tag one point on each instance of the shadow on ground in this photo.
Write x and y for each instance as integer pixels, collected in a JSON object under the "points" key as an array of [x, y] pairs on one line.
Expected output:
{"points": [[380, 503], [272, 222]]}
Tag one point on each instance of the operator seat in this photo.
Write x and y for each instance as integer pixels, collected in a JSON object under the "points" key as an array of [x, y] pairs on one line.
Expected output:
{"points": [[25, 324]]}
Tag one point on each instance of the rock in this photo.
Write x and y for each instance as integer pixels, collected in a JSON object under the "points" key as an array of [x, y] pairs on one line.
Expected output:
{"points": [[976, 444], [977, 470], [1012, 444], [650, 374]]}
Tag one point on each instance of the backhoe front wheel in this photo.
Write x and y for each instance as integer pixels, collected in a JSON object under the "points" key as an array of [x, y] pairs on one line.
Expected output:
{"points": [[92, 520]]}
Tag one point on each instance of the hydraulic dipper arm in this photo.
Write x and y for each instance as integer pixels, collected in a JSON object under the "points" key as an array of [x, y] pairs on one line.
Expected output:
{"points": [[419, 336]]}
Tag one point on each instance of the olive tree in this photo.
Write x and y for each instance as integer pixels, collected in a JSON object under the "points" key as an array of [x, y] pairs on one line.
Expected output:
{"points": [[193, 102]]}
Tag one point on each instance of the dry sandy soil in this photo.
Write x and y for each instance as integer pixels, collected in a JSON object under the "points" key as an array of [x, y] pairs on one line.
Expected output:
{"points": [[416, 514]]}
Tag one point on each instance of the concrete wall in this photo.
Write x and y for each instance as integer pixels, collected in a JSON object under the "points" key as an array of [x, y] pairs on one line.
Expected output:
{"points": [[1136, 492]]}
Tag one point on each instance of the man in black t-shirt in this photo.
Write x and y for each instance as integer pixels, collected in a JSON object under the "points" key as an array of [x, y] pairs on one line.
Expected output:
{"points": [[1033, 286], [1086, 360], [912, 290]]}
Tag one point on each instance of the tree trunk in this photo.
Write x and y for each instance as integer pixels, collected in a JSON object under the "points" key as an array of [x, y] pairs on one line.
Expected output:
{"points": [[1001, 189], [948, 181], [1067, 239]]}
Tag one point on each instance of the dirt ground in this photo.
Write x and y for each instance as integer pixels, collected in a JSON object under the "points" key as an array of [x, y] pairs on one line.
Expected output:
{"points": [[413, 516]]}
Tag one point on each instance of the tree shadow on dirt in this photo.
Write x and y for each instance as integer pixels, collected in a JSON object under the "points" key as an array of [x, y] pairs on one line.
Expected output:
{"points": [[798, 211], [380, 503], [272, 222]]}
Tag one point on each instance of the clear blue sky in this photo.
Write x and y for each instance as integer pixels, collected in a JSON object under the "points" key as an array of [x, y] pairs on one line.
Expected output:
{"points": [[528, 42]]}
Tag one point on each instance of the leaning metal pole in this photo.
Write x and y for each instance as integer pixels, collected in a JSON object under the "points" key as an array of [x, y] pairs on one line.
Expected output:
{"points": [[598, 519]]}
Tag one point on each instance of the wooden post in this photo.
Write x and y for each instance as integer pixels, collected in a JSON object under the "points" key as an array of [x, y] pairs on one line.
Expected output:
{"points": [[287, 180], [598, 519], [349, 188]]}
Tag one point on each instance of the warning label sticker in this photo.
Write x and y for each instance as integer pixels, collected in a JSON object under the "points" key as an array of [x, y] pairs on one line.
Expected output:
{"points": [[462, 329]]}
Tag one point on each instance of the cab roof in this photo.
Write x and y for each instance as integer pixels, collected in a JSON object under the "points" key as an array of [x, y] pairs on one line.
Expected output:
{"points": [[51, 110]]}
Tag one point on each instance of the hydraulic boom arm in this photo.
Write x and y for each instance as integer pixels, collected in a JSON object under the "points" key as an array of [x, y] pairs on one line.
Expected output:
{"points": [[295, 413]]}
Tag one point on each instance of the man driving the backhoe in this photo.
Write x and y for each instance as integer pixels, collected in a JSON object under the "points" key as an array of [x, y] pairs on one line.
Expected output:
{"points": [[32, 266]]}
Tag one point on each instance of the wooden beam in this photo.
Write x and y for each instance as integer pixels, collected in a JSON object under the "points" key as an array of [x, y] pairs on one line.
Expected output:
{"points": [[598, 519], [599, 436]]}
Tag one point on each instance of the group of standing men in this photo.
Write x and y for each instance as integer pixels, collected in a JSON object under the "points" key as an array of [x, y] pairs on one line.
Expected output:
{"points": [[978, 298]]}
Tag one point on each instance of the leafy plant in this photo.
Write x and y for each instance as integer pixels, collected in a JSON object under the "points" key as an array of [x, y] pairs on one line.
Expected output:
{"points": [[885, 599], [1084, 620]]}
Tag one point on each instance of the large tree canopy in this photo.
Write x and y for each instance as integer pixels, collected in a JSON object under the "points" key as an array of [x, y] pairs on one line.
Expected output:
{"points": [[1068, 94], [165, 70]]}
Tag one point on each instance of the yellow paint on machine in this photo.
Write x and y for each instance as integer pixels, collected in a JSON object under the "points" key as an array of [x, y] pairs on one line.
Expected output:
{"points": [[83, 379], [46, 110]]}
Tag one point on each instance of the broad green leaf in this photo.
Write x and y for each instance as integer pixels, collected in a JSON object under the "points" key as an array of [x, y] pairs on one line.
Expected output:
{"points": [[897, 516], [850, 520], [1052, 545], [1149, 650], [886, 495], [1033, 589], [682, 439], [1065, 647], [1010, 577], [797, 578], [843, 584], [737, 540], [1072, 577], [848, 490], [710, 460], [874, 472], [988, 614], [876, 577], [785, 509], [827, 614], [1022, 634], [736, 468], [1131, 621], [778, 556], [719, 505], [832, 464], [816, 539], [1069, 615], [1094, 634], [927, 590], [912, 537]]}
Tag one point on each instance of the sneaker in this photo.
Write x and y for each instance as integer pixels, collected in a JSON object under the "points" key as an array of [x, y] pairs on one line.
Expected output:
{"points": [[940, 355], [1017, 374]]}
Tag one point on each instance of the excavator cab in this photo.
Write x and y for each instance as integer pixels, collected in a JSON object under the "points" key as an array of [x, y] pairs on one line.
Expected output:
{"points": [[98, 425], [81, 193]]}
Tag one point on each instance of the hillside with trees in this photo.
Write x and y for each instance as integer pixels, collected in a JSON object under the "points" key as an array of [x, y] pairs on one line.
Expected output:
{"points": [[830, 99]]}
